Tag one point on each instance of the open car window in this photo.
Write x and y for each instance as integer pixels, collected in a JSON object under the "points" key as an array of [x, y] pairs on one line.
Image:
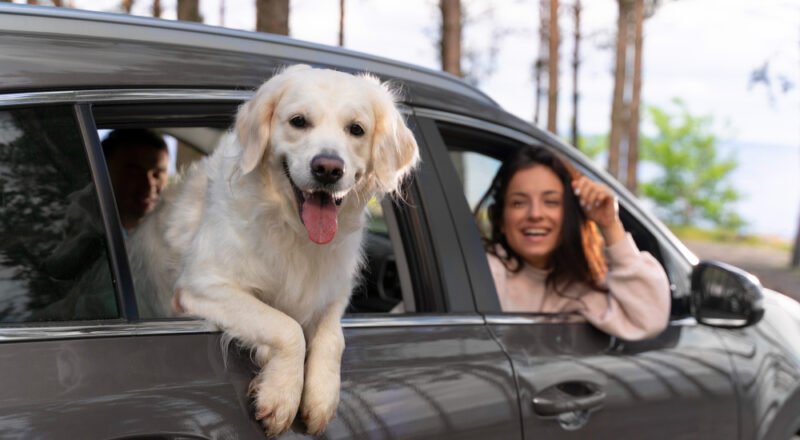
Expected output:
{"points": [[384, 285], [477, 155]]}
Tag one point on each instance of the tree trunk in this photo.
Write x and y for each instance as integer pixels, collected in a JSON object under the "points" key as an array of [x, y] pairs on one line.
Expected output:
{"points": [[633, 129], [157, 8], [576, 62], [617, 104], [541, 60], [222, 13], [272, 16], [341, 23], [189, 10], [451, 36], [552, 71], [450, 52], [127, 5]]}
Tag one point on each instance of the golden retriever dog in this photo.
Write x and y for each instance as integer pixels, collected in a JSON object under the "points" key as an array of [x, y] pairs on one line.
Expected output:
{"points": [[263, 237]]}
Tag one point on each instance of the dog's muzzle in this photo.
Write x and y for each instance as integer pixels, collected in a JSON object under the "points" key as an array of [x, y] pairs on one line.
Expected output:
{"points": [[318, 207]]}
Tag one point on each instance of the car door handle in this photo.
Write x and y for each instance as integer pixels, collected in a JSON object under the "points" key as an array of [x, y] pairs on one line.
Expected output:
{"points": [[568, 397]]}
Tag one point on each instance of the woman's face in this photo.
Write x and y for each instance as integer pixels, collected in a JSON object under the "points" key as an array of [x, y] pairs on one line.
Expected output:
{"points": [[533, 214]]}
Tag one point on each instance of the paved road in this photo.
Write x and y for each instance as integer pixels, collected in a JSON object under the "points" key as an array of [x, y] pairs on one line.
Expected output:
{"points": [[770, 265]]}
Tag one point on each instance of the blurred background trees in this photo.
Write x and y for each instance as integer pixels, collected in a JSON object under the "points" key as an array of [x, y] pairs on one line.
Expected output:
{"points": [[692, 185], [189, 10]]}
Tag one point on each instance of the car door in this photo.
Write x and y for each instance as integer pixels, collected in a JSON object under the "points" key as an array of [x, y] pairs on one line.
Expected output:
{"points": [[677, 385], [79, 363]]}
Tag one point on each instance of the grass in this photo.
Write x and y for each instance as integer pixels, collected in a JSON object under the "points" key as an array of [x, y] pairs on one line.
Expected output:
{"points": [[729, 236]]}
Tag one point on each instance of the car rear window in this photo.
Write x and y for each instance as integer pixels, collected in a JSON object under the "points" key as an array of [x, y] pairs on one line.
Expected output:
{"points": [[53, 259]]}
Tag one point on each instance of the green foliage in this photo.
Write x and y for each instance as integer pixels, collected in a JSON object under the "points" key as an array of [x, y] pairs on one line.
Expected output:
{"points": [[593, 146], [692, 186]]}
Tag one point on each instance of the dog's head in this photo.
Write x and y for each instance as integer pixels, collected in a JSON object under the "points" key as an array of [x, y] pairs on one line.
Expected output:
{"points": [[331, 136]]}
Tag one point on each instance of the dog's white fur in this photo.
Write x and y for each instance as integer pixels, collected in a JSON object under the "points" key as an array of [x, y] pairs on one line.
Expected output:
{"points": [[227, 239]]}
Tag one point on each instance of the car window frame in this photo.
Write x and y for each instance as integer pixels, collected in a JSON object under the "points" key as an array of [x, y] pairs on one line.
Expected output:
{"points": [[677, 259], [417, 212]]}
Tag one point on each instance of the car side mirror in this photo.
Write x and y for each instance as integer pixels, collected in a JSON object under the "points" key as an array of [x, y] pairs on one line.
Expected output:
{"points": [[725, 296]]}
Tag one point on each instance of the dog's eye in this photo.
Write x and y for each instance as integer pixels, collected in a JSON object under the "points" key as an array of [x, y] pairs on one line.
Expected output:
{"points": [[356, 130], [298, 121]]}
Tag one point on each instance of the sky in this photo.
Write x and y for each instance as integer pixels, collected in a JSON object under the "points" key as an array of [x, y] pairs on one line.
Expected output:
{"points": [[702, 51]]}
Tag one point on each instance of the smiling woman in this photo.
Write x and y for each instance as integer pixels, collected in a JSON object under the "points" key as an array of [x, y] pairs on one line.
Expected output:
{"points": [[545, 252]]}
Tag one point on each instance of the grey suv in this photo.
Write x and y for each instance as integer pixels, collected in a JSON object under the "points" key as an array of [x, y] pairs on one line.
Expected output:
{"points": [[429, 352]]}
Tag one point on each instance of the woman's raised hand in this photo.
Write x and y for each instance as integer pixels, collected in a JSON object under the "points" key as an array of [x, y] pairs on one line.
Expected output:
{"points": [[600, 205]]}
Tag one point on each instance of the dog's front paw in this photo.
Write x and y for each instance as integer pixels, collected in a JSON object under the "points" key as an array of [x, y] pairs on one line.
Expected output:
{"points": [[320, 399], [276, 393]]}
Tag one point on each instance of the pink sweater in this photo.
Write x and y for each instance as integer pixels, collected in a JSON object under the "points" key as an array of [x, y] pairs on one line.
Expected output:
{"points": [[635, 307]]}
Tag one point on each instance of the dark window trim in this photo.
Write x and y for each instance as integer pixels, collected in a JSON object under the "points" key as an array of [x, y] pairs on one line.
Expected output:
{"points": [[414, 231], [188, 326], [118, 261], [426, 227], [468, 237]]}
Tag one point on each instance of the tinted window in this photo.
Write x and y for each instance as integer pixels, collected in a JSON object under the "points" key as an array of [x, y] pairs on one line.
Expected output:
{"points": [[379, 288], [53, 263]]}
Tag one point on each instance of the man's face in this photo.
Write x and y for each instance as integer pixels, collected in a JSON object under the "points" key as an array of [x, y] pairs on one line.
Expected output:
{"points": [[138, 174]]}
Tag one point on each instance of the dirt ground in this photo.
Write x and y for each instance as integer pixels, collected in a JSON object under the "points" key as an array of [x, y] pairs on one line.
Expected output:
{"points": [[771, 266]]}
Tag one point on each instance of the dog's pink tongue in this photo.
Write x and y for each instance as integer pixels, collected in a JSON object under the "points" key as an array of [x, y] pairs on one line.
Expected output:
{"points": [[319, 218]]}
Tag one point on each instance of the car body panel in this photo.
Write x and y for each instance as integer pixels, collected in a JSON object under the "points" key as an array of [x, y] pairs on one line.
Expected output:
{"points": [[426, 383], [766, 358], [162, 384], [678, 385], [412, 382]]}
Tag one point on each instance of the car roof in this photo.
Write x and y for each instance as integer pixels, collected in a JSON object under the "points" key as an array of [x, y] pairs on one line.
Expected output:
{"points": [[46, 49]]}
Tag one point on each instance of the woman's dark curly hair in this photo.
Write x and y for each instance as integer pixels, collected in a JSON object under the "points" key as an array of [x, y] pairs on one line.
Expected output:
{"points": [[578, 256]]}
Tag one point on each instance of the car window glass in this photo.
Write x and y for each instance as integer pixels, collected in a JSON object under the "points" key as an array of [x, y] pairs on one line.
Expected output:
{"points": [[53, 261], [476, 172], [380, 288]]}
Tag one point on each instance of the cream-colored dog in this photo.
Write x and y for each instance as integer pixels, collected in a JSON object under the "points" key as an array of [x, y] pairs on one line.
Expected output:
{"points": [[263, 238]]}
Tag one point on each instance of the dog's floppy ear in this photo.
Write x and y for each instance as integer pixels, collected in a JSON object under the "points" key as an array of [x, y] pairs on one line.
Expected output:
{"points": [[394, 150], [254, 118]]}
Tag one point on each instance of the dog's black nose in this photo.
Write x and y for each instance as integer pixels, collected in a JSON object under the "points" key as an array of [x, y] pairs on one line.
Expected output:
{"points": [[327, 168]]}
